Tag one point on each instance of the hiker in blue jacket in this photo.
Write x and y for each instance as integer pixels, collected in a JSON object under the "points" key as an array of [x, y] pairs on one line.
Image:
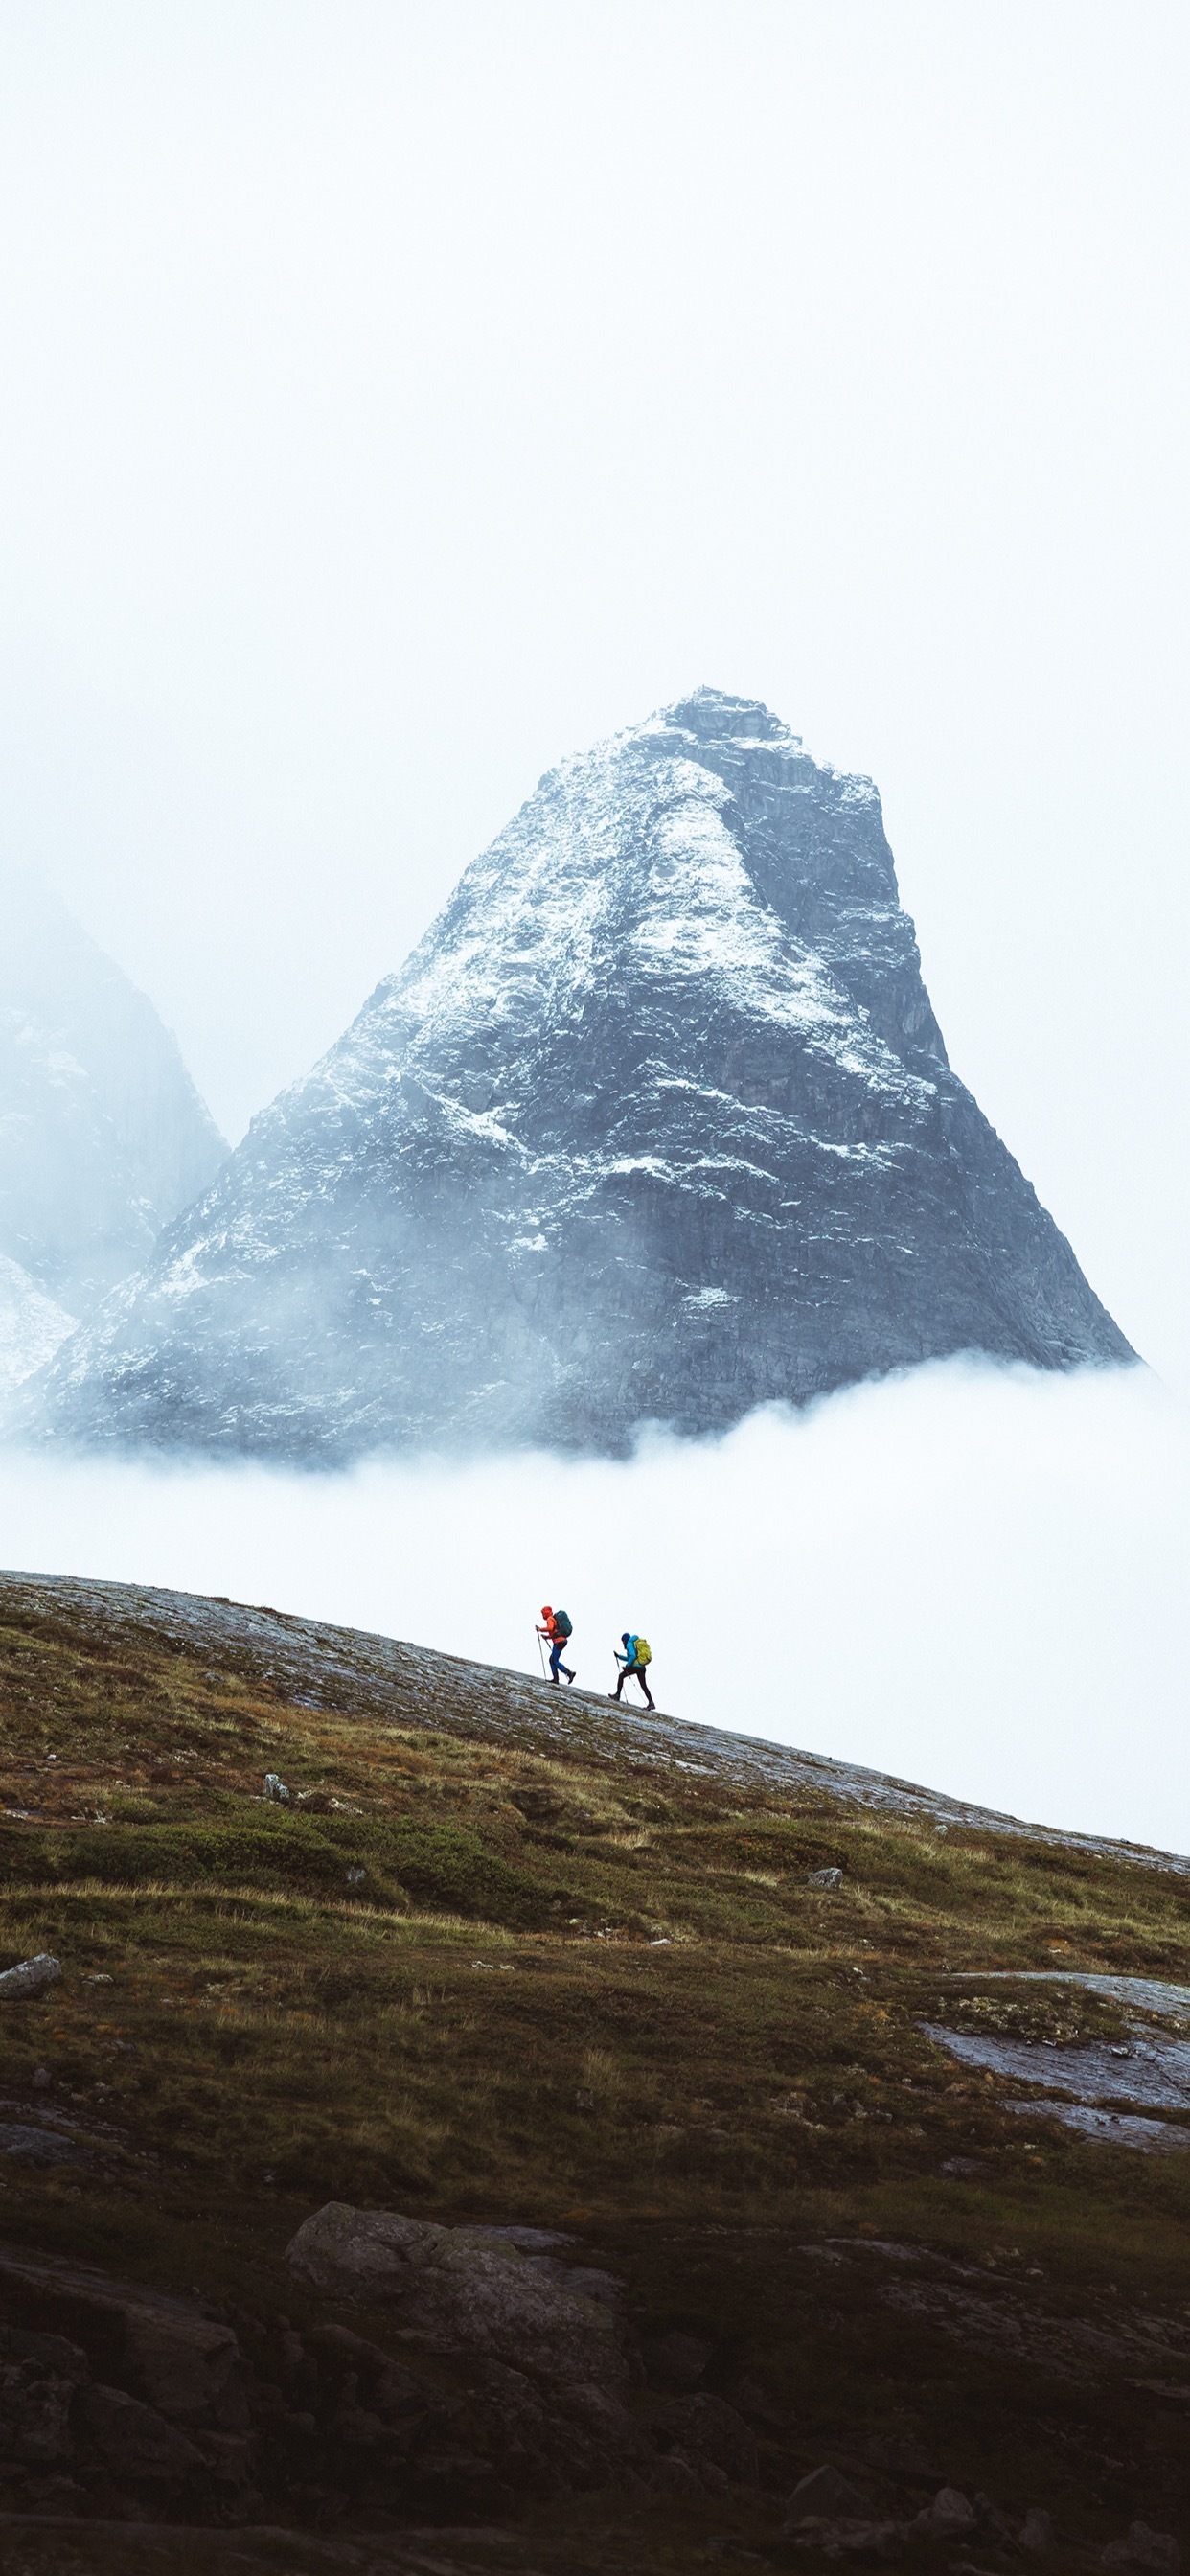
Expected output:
{"points": [[637, 1653]]}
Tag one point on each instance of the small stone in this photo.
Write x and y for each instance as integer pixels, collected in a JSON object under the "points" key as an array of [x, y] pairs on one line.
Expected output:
{"points": [[32, 1977], [826, 1878], [275, 1789], [1143, 2552], [1037, 2530], [825, 2494], [41, 2077], [356, 1877]]}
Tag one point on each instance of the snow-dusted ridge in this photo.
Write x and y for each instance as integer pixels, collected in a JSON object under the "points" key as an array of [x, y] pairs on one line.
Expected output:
{"points": [[32, 1325], [655, 1123]]}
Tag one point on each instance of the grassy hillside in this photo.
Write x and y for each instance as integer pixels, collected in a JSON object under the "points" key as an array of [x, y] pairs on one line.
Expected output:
{"points": [[510, 1956]]}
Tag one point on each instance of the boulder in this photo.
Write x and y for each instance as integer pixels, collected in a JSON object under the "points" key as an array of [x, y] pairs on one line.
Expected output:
{"points": [[32, 1977], [761, 2407], [594, 2441], [675, 2475], [829, 2539], [187, 2364], [35, 2414], [53, 2351], [676, 2360], [465, 2292], [993, 2524], [229, 2458], [706, 2429], [825, 2493], [944, 2519], [184, 2364], [1143, 2552], [133, 2441], [386, 2385], [826, 1878], [1036, 2533]]}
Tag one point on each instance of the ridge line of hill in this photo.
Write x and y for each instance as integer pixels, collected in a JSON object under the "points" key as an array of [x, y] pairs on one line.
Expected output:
{"points": [[364, 1664]]}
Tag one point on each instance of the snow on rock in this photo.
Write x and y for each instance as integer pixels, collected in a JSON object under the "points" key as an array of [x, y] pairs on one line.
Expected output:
{"points": [[32, 1327], [655, 1124]]}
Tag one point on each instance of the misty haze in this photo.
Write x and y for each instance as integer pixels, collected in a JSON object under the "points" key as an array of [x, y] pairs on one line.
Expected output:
{"points": [[594, 1456]]}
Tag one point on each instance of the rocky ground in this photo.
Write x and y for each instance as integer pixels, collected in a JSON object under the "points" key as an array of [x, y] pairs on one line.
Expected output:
{"points": [[537, 2138]]}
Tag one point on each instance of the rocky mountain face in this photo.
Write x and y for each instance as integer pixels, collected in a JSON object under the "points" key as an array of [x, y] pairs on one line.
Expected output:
{"points": [[32, 1326], [656, 1124], [103, 1137]]}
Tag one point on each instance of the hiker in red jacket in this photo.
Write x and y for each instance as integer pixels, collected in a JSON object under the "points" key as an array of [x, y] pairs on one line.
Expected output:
{"points": [[557, 1628]]}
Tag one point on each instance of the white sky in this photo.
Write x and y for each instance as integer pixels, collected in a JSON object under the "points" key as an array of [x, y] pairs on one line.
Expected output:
{"points": [[396, 398]]}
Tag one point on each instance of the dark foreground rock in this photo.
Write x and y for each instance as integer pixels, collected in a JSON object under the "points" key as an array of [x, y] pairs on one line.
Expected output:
{"points": [[823, 2493], [510, 2388], [1143, 2552], [470, 2289]]}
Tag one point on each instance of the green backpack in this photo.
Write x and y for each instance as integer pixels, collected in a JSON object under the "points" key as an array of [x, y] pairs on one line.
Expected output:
{"points": [[642, 1650], [562, 1624]]}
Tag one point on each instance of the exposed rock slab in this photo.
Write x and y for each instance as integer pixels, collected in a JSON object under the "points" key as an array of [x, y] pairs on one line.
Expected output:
{"points": [[465, 2290], [184, 2363], [320, 1666], [29, 1978]]}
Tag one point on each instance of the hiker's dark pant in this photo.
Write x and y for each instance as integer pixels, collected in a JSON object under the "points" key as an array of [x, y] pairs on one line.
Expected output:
{"points": [[556, 1659], [635, 1673]]}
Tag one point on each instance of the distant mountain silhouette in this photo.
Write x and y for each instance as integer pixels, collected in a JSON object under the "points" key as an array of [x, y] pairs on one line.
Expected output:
{"points": [[103, 1136]]}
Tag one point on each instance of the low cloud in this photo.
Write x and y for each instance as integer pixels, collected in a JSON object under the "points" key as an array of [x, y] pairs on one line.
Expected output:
{"points": [[968, 1576]]}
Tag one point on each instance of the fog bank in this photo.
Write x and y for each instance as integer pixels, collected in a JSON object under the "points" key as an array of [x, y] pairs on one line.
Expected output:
{"points": [[969, 1576]]}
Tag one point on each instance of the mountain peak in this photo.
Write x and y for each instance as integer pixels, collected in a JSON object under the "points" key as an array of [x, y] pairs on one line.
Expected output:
{"points": [[655, 1124], [712, 714]]}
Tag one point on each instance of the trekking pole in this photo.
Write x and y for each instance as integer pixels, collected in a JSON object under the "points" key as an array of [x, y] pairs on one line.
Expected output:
{"points": [[540, 1651]]}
